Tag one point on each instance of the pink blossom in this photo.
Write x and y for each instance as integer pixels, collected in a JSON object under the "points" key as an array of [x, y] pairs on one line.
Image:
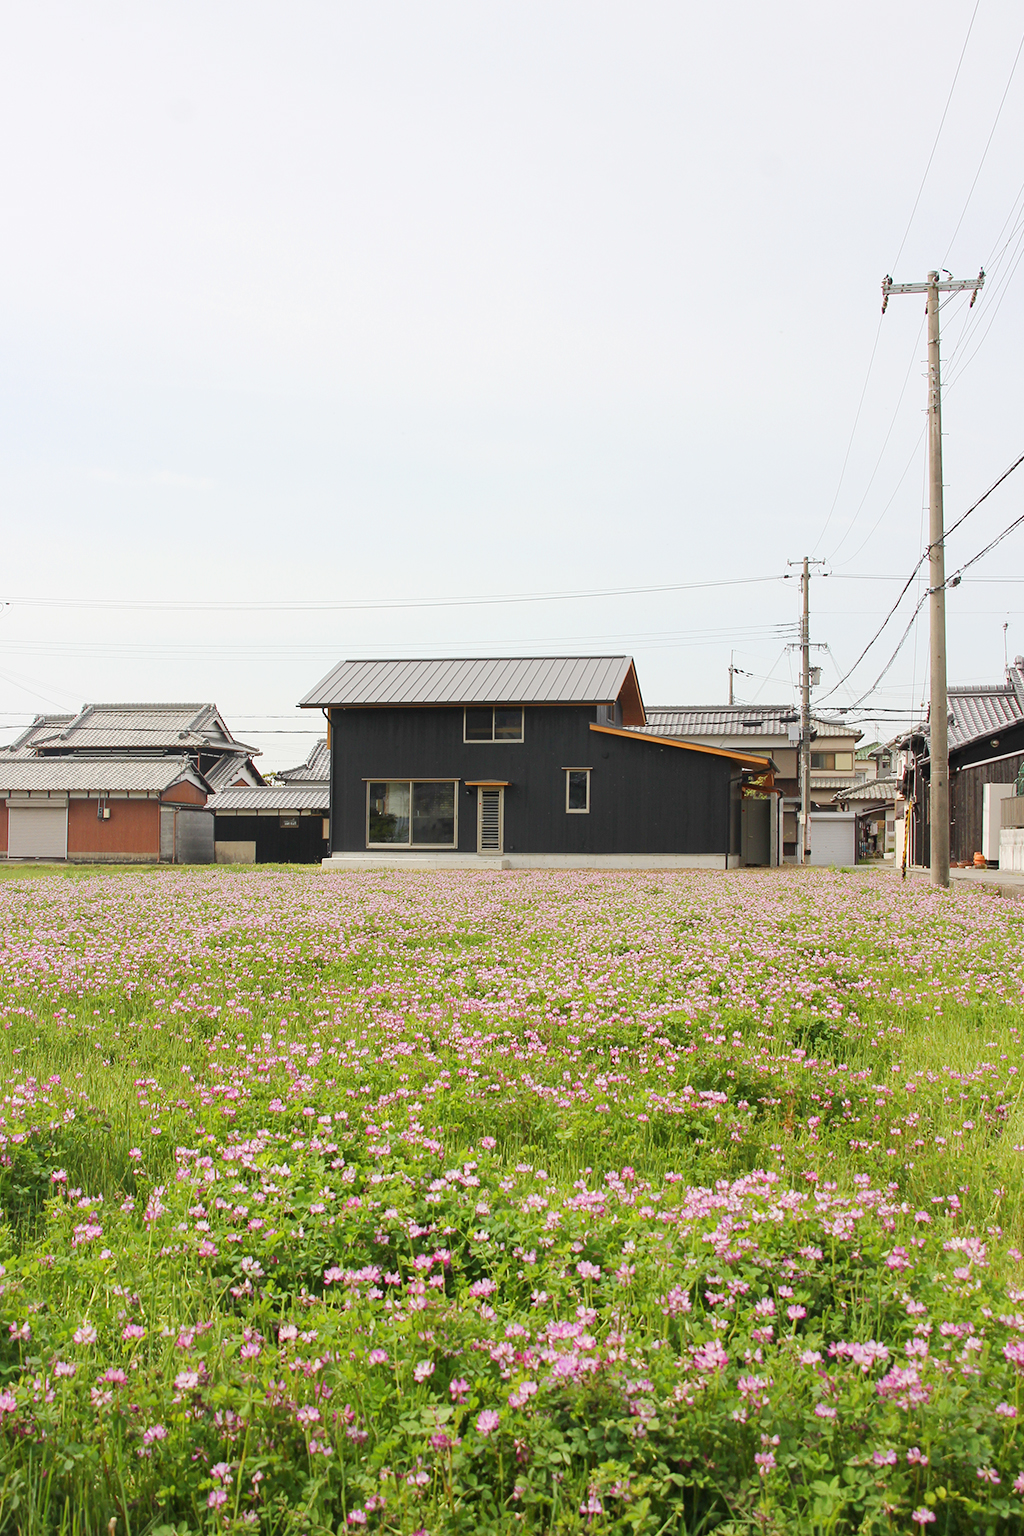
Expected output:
{"points": [[85, 1333], [923, 1516], [487, 1422]]}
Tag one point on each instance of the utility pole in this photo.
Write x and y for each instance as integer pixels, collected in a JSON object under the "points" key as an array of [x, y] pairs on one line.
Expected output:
{"points": [[805, 718], [938, 720], [805, 709]]}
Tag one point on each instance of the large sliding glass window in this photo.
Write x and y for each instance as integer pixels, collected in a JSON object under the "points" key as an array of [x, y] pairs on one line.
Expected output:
{"points": [[411, 813]]}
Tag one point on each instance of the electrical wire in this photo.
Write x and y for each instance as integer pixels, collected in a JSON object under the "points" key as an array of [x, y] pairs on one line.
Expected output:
{"points": [[361, 605], [988, 144], [892, 266], [875, 525], [938, 134], [910, 579], [954, 580], [881, 454]]}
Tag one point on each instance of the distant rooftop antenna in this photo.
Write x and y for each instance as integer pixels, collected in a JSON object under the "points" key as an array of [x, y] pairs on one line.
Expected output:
{"points": [[1006, 659]]}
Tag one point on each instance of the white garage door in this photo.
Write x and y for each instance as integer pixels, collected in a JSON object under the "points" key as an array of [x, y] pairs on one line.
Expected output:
{"points": [[37, 832]]}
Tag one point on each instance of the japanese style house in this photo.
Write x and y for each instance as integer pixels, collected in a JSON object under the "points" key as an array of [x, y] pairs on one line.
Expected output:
{"points": [[530, 761]]}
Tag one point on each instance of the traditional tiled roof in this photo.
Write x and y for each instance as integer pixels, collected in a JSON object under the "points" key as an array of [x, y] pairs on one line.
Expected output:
{"points": [[42, 726], [977, 710], [737, 720], [272, 800], [315, 770], [132, 727], [103, 775], [872, 791], [232, 766]]}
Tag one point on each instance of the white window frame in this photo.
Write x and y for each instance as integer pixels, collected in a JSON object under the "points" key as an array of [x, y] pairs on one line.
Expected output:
{"points": [[577, 810], [492, 740], [381, 778]]}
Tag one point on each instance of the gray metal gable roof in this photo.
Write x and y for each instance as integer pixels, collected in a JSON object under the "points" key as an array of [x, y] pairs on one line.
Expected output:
{"points": [[474, 680], [113, 775]]}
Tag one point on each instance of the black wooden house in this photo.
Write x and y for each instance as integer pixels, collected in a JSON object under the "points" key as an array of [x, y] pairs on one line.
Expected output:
{"points": [[986, 746], [530, 761]]}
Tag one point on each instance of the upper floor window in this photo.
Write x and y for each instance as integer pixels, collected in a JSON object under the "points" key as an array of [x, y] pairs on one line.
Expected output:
{"points": [[495, 723], [833, 762]]}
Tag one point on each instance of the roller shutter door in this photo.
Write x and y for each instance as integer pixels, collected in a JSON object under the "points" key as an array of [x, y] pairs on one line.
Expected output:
{"points": [[37, 831]]}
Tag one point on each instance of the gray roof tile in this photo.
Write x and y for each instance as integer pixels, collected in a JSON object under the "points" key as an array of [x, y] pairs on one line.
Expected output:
{"points": [[273, 798], [97, 774], [316, 769]]}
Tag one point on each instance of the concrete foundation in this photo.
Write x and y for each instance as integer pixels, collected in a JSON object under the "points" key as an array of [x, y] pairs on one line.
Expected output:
{"points": [[527, 861]]}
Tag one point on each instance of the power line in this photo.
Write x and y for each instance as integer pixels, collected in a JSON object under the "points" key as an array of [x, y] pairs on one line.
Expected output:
{"points": [[954, 580], [910, 579], [988, 143], [881, 453], [370, 604], [938, 135], [893, 264]]}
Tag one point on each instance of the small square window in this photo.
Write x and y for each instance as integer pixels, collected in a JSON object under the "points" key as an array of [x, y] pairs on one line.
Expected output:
{"points": [[508, 725], [577, 791], [479, 724]]}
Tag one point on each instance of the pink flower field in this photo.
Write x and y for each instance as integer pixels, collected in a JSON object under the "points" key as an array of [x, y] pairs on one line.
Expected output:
{"points": [[430, 1203]]}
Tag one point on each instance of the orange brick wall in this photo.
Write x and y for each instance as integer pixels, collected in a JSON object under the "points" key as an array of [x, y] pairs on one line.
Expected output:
{"points": [[133, 829]]}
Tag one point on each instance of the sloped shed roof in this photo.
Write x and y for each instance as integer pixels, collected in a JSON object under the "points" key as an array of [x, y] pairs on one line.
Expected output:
{"points": [[483, 680]]}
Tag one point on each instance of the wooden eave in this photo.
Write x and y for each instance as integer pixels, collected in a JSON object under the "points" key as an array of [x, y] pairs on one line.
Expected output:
{"points": [[760, 764]]}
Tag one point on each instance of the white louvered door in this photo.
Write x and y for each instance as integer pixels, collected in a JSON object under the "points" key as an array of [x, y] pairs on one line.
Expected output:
{"points": [[490, 820]]}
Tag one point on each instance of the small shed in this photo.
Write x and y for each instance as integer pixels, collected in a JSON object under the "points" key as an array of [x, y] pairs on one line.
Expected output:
{"points": [[274, 824]]}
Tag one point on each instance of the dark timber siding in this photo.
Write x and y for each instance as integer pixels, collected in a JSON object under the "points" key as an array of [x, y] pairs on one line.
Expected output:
{"points": [[304, 844], [645, 797], [966, 803], [970, 769]]}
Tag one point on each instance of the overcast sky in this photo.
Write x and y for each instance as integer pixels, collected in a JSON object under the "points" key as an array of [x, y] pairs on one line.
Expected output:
{"points": [[335, 303]]}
